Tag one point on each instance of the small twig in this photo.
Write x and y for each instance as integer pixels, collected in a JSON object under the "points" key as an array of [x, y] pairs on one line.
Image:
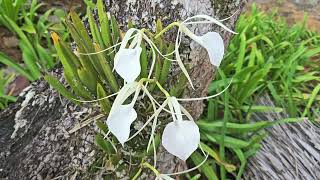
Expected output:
{"points": [[85, 123]]}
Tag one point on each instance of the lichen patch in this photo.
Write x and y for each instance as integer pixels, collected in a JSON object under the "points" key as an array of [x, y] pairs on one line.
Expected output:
{"points": [[19, 121]]}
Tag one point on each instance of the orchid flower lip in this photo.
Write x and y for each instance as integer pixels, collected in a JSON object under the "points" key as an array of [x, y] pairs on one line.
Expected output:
{"points": [[192, 169], [127, 63], [180, 63], [120, 120], [181, 138]]}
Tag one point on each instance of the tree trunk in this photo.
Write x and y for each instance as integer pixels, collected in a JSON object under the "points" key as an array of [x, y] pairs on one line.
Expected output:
{"points": [[34, 137], [290, 151]]}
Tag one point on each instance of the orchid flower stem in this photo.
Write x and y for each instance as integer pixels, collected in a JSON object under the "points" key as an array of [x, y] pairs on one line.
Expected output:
{"points": [[155, 115], [154, 47], [96, 100], [165, 92], [137, 174], [192, 169], [118, 44], [167, 29], [145, 164], [162, 89], [208, 97]]}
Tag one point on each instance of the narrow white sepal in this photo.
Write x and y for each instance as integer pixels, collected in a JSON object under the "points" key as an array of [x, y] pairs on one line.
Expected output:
{"points": [[126, 91], [120, 120], [163, 177], [214, 45], [181, 138], [127, 63]]}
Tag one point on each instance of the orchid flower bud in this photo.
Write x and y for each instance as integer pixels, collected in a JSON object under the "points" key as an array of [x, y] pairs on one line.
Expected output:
{"points": [[180, 137]]}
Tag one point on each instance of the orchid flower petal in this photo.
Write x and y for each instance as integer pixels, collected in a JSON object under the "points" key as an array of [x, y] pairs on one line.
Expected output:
{"points": [[103, 50], [127, 37], [164, 177], [180, 63], [185, 112], [207, 97], [181, 138], [153, 54], [120, 120], [126, 91], [214, 45], [127, 63], [176, 107], [212, 20]]}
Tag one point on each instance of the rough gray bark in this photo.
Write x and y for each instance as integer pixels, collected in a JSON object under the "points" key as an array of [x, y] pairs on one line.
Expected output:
{"points": [[291, 151], [35, 143]]}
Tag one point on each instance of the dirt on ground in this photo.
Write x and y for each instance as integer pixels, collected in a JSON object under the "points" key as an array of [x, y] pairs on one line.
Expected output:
{"points": [[9, 44], [294, 10]]}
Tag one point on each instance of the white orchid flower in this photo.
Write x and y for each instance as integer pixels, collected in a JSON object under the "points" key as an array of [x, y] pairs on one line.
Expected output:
{"points": [[180, 137], [122, 115], [211, 41], [127, 60]]}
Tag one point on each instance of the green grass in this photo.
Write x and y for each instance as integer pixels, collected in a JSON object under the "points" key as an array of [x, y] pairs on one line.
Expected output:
{"points": [[32, 30], [5, 97], [266, 57]]}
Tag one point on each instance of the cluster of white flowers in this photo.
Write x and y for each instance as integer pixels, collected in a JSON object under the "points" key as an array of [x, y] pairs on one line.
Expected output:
{"points": [[180, 137]]}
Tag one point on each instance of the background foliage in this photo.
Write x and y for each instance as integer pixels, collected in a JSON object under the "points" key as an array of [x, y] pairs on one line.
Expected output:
{"points": [[267, 57]]}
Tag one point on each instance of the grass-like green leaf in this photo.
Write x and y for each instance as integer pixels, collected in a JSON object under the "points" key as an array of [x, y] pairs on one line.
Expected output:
{"points": [[10, 62], [206, 169], [104, 103], [60, 88]]}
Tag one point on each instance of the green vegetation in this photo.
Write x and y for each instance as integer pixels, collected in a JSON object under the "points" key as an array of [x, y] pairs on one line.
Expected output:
{"points": [[33, 33], [266, 57], [32, 30], [5, 98], [89, 73], [89, 76]]}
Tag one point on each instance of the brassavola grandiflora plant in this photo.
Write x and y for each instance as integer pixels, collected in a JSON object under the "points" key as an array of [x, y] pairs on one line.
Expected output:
{"points": [[180, 137], [109, 71]]}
